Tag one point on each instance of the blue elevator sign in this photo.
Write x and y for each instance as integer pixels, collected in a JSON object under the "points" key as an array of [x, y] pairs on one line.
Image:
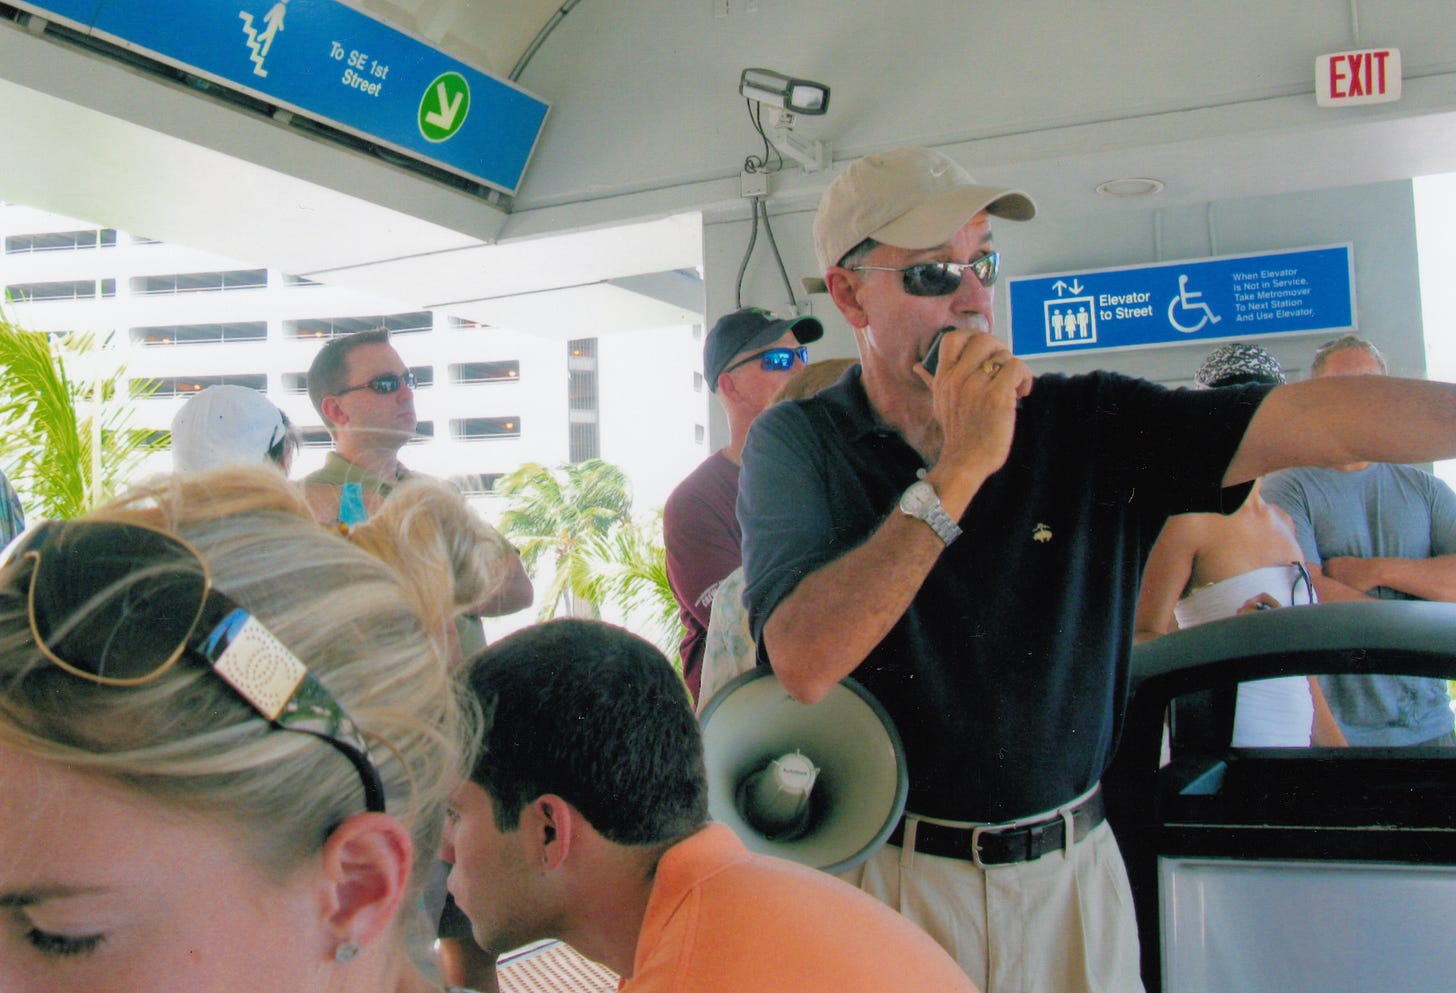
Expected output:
{"points": [[329, 62], [1234, 296]]}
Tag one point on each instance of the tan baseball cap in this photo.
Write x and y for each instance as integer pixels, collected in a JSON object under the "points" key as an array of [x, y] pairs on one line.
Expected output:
{"points": [[906, 197]]}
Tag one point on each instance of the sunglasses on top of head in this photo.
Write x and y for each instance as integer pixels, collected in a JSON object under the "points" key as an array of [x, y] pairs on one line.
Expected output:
{"points": [[775, 359], [384, 384], [938, 279], [120, 604]]}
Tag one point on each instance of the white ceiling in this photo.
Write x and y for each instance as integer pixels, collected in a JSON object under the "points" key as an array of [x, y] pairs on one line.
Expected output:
{"points": [[647, 134], [490, 34]]}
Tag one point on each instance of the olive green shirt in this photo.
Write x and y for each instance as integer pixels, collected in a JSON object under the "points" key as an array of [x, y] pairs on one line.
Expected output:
{"points": [[339, 471]]}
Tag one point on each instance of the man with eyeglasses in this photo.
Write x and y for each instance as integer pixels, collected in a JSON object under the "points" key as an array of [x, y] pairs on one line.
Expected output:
{"points": [[747, 357], [1373, 530], [967, 544], [365, 394]]}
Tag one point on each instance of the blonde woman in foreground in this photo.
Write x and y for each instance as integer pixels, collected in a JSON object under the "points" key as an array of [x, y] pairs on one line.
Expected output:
{"points": [[226, 737]]}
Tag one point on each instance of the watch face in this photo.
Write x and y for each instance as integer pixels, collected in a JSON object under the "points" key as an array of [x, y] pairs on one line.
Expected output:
{"points": [[919, 498], [921, 501]]}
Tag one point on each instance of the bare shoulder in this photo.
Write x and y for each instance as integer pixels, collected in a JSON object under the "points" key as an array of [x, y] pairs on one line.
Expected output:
{"points": [[1229, 546], [1191, 530]]}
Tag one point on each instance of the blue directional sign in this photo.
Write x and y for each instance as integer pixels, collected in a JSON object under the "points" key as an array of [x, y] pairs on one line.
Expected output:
{"points": [[327, 61], [74, 13], [1234, 296]]}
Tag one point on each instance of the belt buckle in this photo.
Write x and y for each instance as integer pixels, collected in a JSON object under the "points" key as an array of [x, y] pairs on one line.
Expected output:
{"points": [[976, 833], [996, 830], [1033, 833]]}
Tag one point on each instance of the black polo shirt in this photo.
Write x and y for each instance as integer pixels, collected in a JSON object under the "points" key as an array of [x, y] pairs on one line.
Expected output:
{"points": [[1008, 674]]}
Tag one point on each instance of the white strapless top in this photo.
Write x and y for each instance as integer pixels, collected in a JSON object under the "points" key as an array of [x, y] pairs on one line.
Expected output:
{"points": [[1270, 713], [1225, 597]]}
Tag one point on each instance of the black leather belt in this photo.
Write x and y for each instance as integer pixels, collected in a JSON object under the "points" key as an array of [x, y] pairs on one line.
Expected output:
{"points": [[992, 845]]}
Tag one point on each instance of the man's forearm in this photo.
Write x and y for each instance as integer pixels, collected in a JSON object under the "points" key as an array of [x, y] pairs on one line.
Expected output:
{"points": [[825, 628], [1426, 579], [1328, 422], [1331, 590]]}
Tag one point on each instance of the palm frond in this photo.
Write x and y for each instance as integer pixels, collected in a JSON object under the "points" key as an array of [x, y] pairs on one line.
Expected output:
{"points": [[552, 513], [58, 430], [628, 568]]}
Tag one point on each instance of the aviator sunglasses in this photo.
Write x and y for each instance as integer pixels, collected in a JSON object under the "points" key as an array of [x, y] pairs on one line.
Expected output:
{"points": [[384, 384], [119, 604], [1301, 578], [776, 359], [938, 279]]}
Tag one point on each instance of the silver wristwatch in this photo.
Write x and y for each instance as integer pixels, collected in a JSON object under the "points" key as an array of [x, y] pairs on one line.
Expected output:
{"points": [[921, 501]]}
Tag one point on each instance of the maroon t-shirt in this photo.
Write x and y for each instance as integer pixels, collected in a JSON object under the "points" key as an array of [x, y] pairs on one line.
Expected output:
{"points": [[700, 530]]}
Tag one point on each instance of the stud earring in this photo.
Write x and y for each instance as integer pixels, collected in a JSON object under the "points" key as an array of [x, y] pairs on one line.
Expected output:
{"points": [[346, 951]]}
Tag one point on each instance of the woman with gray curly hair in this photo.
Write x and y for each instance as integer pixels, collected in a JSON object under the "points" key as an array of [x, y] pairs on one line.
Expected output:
{"points": [[226, 740]]}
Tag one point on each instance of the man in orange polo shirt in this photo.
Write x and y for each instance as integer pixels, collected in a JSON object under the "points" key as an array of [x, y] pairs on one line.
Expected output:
{"points": [[586, 819]]}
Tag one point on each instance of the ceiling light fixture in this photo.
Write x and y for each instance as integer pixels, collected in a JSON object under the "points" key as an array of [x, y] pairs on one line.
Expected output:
{"points": [[1137, 186]]}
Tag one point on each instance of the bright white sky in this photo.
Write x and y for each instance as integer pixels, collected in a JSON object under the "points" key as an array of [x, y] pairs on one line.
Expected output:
{"points": [[1436, 240]]}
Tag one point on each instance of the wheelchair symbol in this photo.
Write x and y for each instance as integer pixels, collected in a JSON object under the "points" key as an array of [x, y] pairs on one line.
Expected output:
{"points": [[1187, 301]]}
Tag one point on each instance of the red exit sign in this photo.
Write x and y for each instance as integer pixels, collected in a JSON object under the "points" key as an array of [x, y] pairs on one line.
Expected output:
{"points": [[1347, 79]]}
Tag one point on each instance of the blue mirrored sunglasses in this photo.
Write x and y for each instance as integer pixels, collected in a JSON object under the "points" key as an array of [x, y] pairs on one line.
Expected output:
{"points": [[776, 359], [938, 279]]}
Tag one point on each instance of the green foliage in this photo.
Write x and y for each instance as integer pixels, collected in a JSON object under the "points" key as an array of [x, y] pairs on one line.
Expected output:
{"points": [[577, 519], [61, 454], [628, 568], [553, 514]]}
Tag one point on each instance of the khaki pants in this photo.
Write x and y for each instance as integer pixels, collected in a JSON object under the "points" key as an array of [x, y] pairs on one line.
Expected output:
{"points": [[1057, 924]]}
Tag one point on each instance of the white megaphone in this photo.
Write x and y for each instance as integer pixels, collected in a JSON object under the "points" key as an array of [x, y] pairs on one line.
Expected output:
{"points": [[821, 784]]}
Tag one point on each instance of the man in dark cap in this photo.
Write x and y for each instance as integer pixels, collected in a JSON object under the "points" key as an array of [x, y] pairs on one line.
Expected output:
{"points": [[747, 357]]}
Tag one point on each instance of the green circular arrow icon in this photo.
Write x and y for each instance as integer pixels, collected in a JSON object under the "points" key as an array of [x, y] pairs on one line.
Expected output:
{"points": [[444, 105]]}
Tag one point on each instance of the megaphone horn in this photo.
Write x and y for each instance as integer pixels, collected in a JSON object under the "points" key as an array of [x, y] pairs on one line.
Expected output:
{"points": [[821, 784], [775, 800]]}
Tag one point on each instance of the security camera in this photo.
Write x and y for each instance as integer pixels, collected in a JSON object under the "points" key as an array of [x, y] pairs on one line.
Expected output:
{"points": [[774, 89]]}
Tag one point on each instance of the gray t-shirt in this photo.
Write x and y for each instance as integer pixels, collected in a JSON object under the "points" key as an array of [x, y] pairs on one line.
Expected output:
{"points": [[1381, 511]]}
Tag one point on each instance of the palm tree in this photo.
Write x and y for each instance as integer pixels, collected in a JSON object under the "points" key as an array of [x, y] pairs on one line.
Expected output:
{"points": [[628, 568], [67, 444], [555, 514]]}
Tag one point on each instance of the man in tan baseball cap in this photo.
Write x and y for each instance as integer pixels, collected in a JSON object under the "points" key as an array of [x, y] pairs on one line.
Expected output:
{"points": [[910, 198], [970, 548]]}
